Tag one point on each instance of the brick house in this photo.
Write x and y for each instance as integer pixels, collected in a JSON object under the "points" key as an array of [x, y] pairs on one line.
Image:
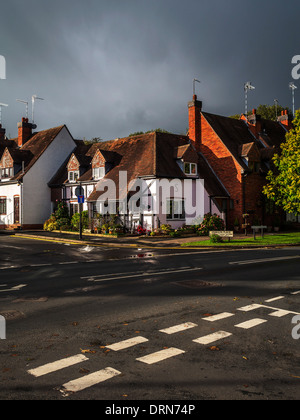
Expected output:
{"points": [[240, 154], [27, 163], [231, 156]]}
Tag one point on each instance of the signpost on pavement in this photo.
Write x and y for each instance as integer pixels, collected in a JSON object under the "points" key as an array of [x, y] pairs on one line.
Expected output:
{"points": [[79, 192]]}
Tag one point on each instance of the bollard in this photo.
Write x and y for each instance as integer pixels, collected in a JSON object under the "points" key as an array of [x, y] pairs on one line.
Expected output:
{"points": [[2, 328]]}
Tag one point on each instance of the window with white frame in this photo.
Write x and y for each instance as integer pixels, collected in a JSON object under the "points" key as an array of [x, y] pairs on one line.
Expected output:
{"points": [[73, 176], [175, 209], [7, 173], [190, 168], [3, 205], [99, 173]]}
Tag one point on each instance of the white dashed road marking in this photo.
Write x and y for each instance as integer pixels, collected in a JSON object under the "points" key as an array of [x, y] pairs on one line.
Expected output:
{"points": [[280, 313], [60, 364], [178, 328], [211, 338], [89, 380], [152, 358], [264, 260], [127, 343], [250, 324], [249, 308], [275, 298], [217, 317]]}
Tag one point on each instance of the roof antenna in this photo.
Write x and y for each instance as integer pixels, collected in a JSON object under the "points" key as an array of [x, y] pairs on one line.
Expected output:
{"points": [[276, 107], [248, 86], [1, 106], [194, 86], [26, 103], [293, 87], [33, 99]]}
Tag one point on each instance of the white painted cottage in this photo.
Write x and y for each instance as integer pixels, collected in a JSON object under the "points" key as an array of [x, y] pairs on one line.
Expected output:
{"points": [[27, 164]]}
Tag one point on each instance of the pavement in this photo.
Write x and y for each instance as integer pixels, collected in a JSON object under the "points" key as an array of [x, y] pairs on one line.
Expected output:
{"points": [[127, 241]]}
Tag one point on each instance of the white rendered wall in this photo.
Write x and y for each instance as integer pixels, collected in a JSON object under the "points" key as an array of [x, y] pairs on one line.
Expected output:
{"points": [[36, 193], [9, 191]]}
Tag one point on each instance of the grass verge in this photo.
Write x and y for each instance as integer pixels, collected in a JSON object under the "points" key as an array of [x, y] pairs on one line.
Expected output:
{"points": [[279, 239]]}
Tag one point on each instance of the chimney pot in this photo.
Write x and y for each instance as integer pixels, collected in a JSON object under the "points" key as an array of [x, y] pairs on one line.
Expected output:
{"points": [[24, 131]]}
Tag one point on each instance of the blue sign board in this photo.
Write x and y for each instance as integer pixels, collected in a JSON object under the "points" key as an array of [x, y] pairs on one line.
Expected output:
{"points": [[81, 199]]}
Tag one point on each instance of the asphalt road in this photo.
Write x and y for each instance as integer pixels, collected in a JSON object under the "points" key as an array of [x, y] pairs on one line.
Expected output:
{"points": [[97, 323]]}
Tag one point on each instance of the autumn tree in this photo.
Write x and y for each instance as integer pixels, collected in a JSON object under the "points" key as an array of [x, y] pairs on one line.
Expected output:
{"points": [[284, 181]]}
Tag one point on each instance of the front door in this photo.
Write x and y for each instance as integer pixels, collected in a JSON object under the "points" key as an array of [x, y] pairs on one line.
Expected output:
{"points": [[16, 210]]}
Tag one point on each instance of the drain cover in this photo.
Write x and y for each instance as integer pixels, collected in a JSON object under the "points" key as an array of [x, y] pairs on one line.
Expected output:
{"points": [[10, 315]]}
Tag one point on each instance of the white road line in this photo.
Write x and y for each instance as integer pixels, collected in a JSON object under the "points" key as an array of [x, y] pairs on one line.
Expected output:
{"points": [[160, 355], [256, 306], [280, 313], [68, 262], [89, 380], [145, 274], [296, 293], [250, 324], [275, 298], [211, 338], [13, 289], [217, 317], [40, 265], [98, 276], [127, 343], [178, 328], [249, 308], [58, 365], [264, 260]]}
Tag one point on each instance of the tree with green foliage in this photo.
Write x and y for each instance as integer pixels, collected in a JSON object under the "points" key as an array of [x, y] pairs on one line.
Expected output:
{"points": [[157, 130], [284, 182]]}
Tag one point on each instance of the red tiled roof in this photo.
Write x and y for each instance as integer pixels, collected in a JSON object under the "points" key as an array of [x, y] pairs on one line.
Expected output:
{"points": [[34, 148]]}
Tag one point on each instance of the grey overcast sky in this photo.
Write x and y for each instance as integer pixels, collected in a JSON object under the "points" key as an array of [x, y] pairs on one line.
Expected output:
{"points": [[107, 68]]}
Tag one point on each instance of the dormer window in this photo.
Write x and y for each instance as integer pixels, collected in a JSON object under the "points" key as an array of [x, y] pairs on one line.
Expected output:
{"points": [[190, 168], [7, 173], [73, 176], [98, 173]]}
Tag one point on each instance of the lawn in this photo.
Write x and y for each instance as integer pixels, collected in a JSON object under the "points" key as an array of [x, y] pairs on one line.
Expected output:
{"points": [[278, 239]]}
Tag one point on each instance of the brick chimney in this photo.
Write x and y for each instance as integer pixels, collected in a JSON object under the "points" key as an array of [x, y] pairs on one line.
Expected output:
{"points": [[254, 123], [286, 120], [2, 133], [24, 131], [195, 108]]}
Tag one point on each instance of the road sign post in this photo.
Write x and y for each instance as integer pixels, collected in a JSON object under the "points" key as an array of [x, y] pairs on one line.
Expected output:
{"points": [[79, 192]]}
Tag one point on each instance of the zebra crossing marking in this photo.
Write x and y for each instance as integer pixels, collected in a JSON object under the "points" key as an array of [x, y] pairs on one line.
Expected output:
{"points": [[89, 380], [58, 365]]}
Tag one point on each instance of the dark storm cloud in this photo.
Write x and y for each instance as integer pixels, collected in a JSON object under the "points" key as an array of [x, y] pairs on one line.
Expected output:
{"points": [[108, 68]]}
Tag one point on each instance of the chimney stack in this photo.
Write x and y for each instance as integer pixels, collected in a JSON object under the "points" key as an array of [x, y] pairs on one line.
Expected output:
{"points": [[24, 131], [195, 108], [254, 123], [2, 133], [286, 120]]}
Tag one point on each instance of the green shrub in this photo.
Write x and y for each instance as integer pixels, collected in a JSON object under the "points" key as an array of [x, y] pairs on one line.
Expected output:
{"points": [[50, 224], [166, 228], [216, 239], [75, 221], [210, 223]]}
